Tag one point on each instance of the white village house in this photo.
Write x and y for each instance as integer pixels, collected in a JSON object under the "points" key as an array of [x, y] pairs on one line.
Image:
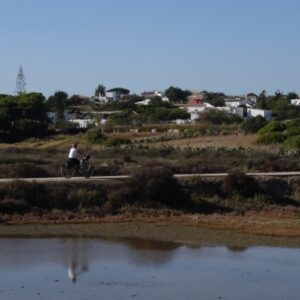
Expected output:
{"points": [[238, 106], [151, 94], [295, 101], [252, 113]]}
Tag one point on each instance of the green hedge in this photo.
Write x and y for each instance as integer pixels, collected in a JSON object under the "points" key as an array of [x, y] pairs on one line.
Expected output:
{"points": [[292, 143], [274, 126], [270, 138]]}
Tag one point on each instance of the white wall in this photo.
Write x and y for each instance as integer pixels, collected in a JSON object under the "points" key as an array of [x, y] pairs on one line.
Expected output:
{"points": [[295, 101], [251, 112], [83, 123]]}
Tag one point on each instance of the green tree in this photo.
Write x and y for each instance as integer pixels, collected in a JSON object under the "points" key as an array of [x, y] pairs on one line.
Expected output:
{"points": [[156, 101], [57, 102], [278, 95], [23, 116], [33, 106], [73, 100], [119, 90], [100, 91], [215, 99], [218, 117], [262, 100], [291, 95], [176, 94], [252, 125]]}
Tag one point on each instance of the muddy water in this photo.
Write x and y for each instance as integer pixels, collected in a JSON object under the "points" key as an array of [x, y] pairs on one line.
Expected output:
{"points": [[136, 269]]}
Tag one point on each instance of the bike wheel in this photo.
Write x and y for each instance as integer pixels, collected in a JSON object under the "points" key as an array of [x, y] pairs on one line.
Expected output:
{"points": [[88, 170], [65, 171]]}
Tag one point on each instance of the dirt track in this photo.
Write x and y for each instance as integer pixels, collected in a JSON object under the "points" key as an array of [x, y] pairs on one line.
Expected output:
{"points": [[99, 178]]}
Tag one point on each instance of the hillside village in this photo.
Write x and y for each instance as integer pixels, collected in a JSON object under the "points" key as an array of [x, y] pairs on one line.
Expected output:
{"points": [[242, 106], [32, 115]]}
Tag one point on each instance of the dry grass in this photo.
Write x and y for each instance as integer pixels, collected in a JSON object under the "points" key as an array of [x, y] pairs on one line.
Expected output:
{"points": [[61, 142], [230, 141]]}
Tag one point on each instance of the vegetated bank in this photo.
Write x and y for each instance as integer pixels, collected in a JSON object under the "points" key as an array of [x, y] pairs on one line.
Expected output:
{"points": [[262, 206]]}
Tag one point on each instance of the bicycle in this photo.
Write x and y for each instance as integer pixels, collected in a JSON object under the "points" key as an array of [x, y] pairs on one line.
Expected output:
{"points": [[86, 169]]}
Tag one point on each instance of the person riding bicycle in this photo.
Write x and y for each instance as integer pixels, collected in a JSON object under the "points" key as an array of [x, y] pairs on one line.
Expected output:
{"points": [[72, 156], [82, 167]]}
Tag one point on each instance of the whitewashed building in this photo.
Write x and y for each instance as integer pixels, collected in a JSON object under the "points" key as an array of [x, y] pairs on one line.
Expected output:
{"points": [[83, 123], [151, 94], [52, 115], [235, 102], [252, 113], [295, 101]]}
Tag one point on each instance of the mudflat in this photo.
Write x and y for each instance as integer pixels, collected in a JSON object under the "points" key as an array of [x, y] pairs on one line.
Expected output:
{"points": [[263, 229]]}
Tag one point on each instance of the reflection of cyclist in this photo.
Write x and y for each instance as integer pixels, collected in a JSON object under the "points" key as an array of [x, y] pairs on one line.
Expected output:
{"points": [[77, 260], [72, 156], [72, 270]]}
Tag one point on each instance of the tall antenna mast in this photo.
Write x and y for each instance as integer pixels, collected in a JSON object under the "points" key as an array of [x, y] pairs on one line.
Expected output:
{"points": [[20, 83]]}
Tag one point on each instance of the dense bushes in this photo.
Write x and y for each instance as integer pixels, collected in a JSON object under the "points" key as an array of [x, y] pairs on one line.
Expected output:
{"points": [[241, 184], [218, 117], [48, 196], [95, 136], [27, 170], [157, 185], [23, 116], [153, 187], [252, 125], [22, 170], [117, 141], [292, 143], [238, 192], [277, 132], [274, 126], [270, 138]]}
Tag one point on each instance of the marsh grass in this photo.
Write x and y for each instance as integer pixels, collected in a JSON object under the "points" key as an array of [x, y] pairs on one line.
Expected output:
{"points": [[184, 157]]}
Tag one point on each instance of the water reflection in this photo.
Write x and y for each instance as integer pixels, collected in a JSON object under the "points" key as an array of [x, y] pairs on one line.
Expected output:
{"points": [[148, 252], [77, 259], [236, 248], [123, 269], [78, 255]]}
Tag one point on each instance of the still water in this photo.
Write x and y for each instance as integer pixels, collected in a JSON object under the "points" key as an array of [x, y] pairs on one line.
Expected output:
{"points": [[137, 269]]}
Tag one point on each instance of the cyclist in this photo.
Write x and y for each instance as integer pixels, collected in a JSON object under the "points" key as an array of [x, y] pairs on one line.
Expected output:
{"points": [[72, 156]]}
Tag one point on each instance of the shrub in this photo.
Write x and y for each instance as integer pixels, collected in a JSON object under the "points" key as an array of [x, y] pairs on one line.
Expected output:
{"points": [[82, 197], [117, 141], [27, 170], [64, 126], [95, 136], [292, 131], [270, 138], [273, 126], [279, 191], [127, 159], [219, 117], [203, 187], [157, 185], [292, 143], [252, 125], [293, 123], [240, 184], [31, 128], [33, 194], [13, 206]]}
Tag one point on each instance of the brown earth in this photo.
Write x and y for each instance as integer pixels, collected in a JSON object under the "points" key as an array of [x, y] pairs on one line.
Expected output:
{"points": [[269, 228]]}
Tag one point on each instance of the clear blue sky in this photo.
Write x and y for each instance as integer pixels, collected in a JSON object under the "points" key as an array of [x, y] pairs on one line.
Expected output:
{"points": [[234, 46]]}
